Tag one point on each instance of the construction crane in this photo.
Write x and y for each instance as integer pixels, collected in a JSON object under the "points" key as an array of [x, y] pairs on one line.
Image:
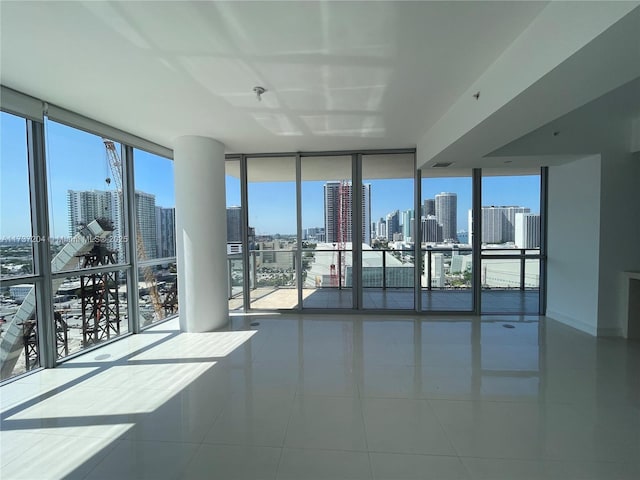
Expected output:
{"points": [[66, 259], [116, 171]]}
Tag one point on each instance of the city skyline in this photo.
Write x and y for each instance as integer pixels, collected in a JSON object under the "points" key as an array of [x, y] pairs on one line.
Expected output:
{"points": [[271, 205]]}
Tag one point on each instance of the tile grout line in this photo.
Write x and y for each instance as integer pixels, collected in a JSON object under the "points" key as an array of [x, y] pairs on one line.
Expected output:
{"points": [[286, 430], [364, 427], [453, 446]]}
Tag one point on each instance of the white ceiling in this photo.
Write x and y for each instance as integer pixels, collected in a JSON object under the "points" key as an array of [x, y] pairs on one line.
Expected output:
{"points": [[592, 98], [598, 126], [340, 75]]}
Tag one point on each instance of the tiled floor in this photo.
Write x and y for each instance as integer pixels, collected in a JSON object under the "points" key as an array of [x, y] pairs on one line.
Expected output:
{"points": [[334, 397]]}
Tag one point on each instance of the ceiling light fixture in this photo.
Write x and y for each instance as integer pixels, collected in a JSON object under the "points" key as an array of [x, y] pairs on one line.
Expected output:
{"points": [[258, 90]]}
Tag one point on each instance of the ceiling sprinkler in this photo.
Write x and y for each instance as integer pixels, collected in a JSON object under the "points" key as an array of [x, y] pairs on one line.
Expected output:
{"points": [[259, 91]]}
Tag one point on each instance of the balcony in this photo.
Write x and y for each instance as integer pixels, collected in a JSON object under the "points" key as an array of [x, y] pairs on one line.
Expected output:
{"points": [[510, 280]]}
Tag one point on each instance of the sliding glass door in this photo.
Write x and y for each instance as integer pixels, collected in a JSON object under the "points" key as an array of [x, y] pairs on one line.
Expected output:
{"points": [[272, 240], [511, 239], [355, 231], [327, 237], [446, 245], [389, 232]]}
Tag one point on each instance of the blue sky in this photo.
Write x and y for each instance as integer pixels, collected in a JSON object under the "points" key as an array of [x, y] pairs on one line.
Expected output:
{"points": [[272, 205], [78, 161], [75, 160]]}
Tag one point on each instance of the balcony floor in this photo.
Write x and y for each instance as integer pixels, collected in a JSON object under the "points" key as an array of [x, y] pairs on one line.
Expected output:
{"points": [[493, 301]]}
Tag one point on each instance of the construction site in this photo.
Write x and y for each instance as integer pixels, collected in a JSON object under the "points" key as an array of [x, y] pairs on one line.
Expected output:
{"points": [[90, 307]]}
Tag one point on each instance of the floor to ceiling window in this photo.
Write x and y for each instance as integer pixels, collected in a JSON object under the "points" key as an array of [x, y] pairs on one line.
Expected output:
{"points": [[235, 231], [89, 237], [271, 192], [86, 211], [327, 236], [447, 246], [18, 312], [155, 214], [389, 231], [511, 239], [398, 232]]}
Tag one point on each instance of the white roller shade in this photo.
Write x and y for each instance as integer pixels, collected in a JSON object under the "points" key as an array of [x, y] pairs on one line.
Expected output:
{"points": [[20, 104], [81, 122]]}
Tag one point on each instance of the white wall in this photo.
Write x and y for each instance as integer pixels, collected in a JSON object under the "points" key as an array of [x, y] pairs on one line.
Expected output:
{"points": [[619, 235], [574, 243]]}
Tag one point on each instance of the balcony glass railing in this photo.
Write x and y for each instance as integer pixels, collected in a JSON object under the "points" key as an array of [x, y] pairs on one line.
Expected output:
{"points": [[446, 268], [442, 269], [508, 269], [388, 269]]}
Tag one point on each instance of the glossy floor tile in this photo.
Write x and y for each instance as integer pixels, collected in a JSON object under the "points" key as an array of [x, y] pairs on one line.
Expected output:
{"points": [[334, 397]]}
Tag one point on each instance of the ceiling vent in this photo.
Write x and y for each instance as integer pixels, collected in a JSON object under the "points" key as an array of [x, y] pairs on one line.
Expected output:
{"points": [[442, 165]]}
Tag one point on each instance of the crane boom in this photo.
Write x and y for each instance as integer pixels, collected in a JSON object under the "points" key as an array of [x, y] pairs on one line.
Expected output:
{"points": [[115, 166]]}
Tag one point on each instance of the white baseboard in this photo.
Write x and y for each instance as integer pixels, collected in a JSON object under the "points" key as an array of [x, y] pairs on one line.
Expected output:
{"points": [[573, 322]]}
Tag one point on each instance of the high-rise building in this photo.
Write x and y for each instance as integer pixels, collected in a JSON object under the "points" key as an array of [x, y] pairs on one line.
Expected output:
{"points": [[407, 225], [87, 205], [429, 207], [146, 222], [234, 224], [431, 230], [382, 228], [84, 206], [498, 223], [166, 232], [447, 214], [509, 229], [314, 234], [437, 270], [393, 224], [527, 230], [492, 224], [337, 199], [366, 213]]}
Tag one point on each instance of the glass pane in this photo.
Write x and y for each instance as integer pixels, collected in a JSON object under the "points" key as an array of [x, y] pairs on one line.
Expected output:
{"points": [[18, 330], [16, 242], [89, 309], [157, 293], [154, 205], [446, 216], [510, 229], [234, 235], [86, 204], [388, 220], [271, 193], [327, 232]]}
